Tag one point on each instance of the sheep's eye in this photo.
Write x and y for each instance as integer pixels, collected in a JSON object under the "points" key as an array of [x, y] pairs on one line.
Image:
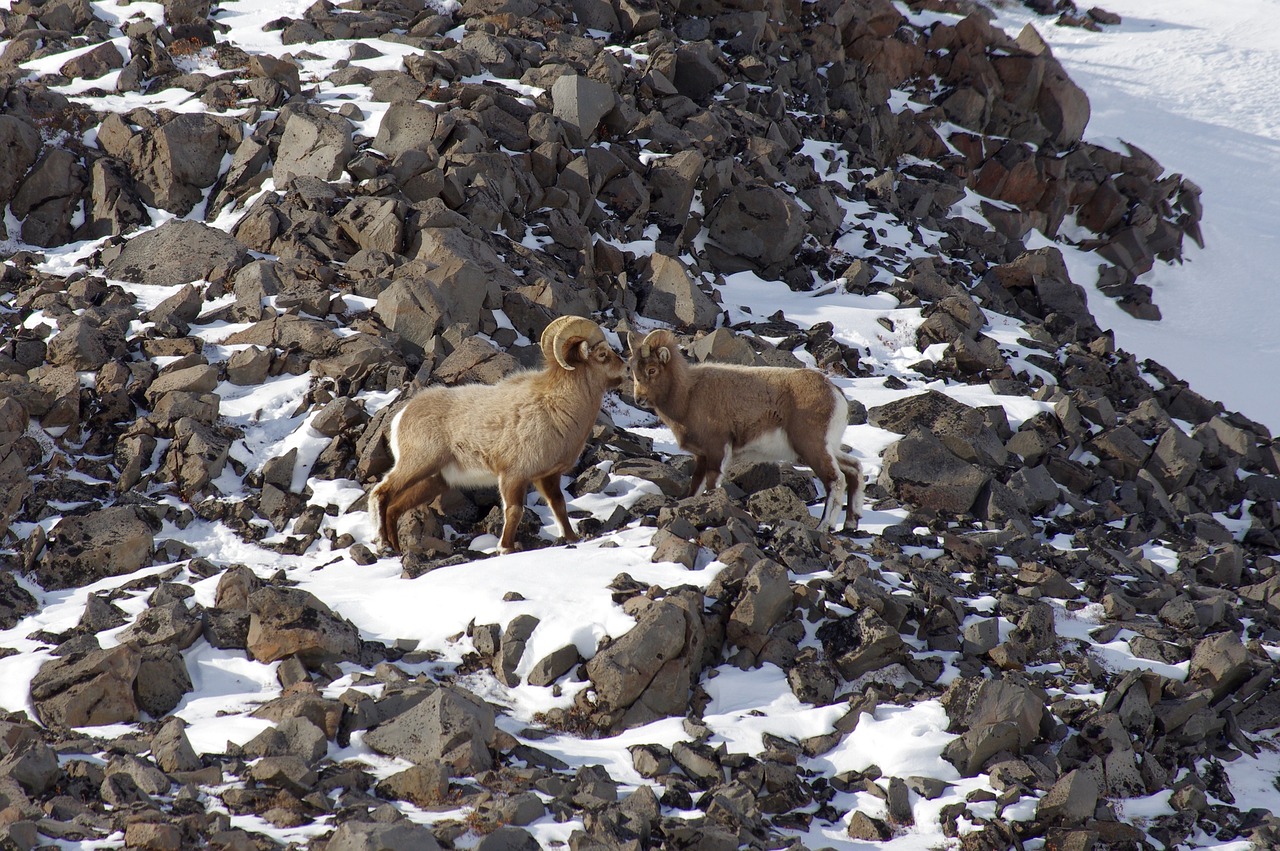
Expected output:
{"points": [[651, 371]]}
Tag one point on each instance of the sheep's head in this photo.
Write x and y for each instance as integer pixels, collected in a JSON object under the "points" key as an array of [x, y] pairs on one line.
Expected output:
{"points": [[574, 341], [651, 359]]}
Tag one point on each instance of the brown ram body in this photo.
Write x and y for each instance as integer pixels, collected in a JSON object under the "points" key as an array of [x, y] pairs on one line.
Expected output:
{"points": [[527, 429], [721, 413]]}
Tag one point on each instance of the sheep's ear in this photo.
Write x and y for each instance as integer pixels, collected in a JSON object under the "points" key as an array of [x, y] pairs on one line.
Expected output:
{"points": [[664, 354], [584, 351]]}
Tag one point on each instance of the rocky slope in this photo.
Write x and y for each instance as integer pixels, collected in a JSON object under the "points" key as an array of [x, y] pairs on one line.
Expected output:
{"points": [[403, 194]]}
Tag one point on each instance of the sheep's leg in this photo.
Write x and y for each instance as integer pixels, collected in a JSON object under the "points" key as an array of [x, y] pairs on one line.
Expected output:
{"points": [[549, 487], [512, 492], [395, 499], [699, 474], [856, 486]]}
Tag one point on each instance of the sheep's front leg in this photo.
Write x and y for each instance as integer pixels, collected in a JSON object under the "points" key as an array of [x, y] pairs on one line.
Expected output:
{"points": [[549, 487], [512, 492]]}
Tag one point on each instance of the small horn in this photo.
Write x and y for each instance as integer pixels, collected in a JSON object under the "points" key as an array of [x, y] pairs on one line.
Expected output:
{"points": [[562, 329]]}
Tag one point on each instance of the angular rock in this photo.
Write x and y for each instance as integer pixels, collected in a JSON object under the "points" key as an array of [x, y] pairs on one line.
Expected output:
{"points": [[85, 548], [178, 252], [450, 726], [292, 622], [316, 143], [919, 469], [581, 103], [88, 690]]}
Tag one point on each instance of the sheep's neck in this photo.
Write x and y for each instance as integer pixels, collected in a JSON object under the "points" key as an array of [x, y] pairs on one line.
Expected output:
{"points": [[564, 402], [677, 402]]}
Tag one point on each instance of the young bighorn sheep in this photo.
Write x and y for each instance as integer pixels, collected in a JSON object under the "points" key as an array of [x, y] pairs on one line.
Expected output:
{"points": [[721, 413], [526, 429]]}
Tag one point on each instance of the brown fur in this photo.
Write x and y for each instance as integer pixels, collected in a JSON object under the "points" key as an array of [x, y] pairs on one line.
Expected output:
{"points": [[527, 429], [717, 409]]}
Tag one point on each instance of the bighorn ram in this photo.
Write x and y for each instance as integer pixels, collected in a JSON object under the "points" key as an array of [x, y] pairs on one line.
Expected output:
{"points": [[722, 413], [528, 428]]}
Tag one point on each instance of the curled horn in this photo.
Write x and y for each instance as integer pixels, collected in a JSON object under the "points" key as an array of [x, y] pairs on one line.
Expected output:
{"points": [[562, 329], [654, 338]]}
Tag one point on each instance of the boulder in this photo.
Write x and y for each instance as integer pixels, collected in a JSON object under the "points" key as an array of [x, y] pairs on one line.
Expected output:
{"points": [[451, 727], [49, 197], [85, 548], [581, 103], [758, 224], [379, 836], [178, 252], [316, 143], [406, 126], [21, 144], [675, 297], [920, 470], [88, 690], [292, 622]]}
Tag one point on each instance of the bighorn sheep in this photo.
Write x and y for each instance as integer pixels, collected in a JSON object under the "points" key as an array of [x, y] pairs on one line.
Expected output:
{"points": [[528, 428], [721, 413]]}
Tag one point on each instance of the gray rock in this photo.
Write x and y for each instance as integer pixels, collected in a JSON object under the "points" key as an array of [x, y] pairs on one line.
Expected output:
{"points": [[406, 126], [509, 838], [421, 785], [675, 297], [171, 748], [698, 72], [777, 504], [920, 470], [758, 224], [162, 682], [178, 252], [765, 600], [672, 181], [248, 367], [672, 548], [647, 673], [148, 778], [374, 224], [33, 766], [176, 163], [581, 103], [48, 198], [287, 772], [93, 64], [292, 622], [21, 144], [1220, 663], [553, 666], [511, 649], [86, 548], [172, 624], [962, 429], [1175, 460], [372, 836], [78, 344], [862, 643], [449, 726], [316, 143], [88, 690], [1071, 801]]}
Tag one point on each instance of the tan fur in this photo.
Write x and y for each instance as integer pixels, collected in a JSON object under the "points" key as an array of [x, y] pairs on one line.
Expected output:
{"points": [[716, 410], [525, 430]]}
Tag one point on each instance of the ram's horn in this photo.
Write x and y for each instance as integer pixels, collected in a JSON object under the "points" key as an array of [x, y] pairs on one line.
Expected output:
{"points": [[563, 329]]}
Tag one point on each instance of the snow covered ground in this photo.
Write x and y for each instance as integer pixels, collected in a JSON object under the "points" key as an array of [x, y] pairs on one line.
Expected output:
{"points": [[1194, 84], [1195, 88]]}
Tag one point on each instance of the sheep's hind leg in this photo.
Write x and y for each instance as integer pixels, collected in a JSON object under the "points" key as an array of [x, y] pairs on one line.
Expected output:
{"points": [[856, 486], [512, 493], [549, 487], [405, 497]]}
